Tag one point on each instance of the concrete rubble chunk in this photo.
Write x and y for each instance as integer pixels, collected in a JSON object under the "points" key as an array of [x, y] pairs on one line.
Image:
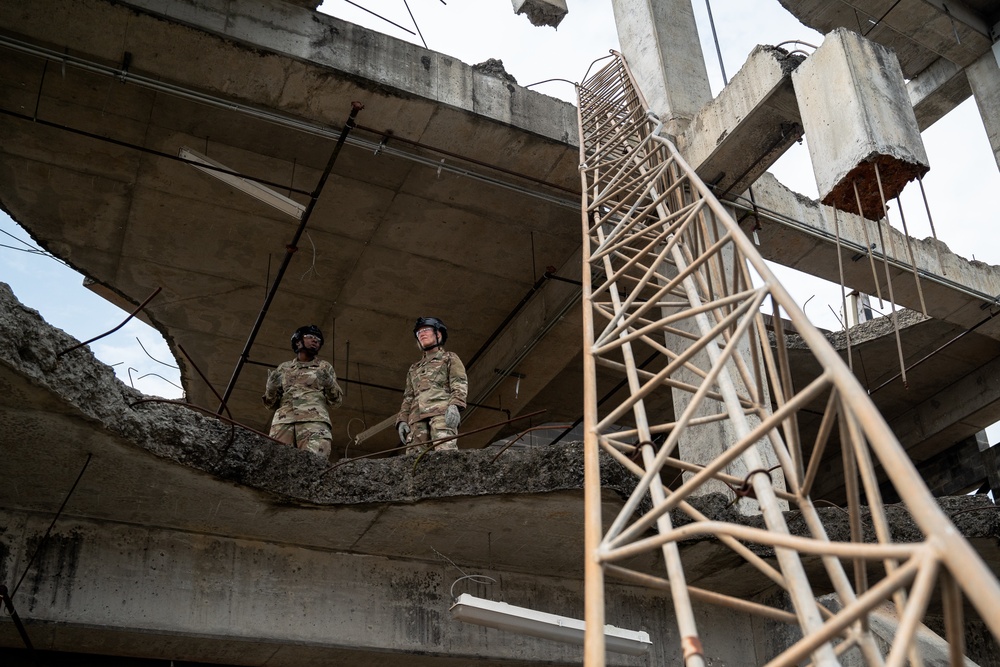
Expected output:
{"points": [[858, 118], [542, 12], [494, 67]]}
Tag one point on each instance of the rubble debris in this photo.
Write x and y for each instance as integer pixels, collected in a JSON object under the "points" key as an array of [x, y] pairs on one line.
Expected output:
{"points": [[542, 12], [494, 67]]}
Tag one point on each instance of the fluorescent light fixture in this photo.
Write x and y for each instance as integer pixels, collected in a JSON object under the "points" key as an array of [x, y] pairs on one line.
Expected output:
{"points": [[525, 621], [252, 188]]}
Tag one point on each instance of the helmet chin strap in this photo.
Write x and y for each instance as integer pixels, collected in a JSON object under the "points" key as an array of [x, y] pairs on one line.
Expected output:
{"points": [[436, 343]]}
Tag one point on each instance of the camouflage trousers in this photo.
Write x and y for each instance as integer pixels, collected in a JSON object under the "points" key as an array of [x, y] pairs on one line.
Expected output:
{"points": [[313, 437], [429, 429]]}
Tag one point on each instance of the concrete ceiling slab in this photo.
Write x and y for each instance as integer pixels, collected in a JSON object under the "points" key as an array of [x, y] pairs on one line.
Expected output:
{"points": [[919, 32], [389, 239]]}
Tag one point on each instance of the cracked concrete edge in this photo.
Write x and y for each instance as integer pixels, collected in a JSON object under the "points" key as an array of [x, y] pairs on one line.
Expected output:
{"points": [[860, 333], [77, 384]]}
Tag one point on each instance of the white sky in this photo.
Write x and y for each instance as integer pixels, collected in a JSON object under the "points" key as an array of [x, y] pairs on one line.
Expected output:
{"points": [[963, 173]]}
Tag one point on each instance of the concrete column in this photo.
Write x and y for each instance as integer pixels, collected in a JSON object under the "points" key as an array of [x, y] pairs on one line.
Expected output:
{"points": [[984, 79], [703, 444], [659, 39]]}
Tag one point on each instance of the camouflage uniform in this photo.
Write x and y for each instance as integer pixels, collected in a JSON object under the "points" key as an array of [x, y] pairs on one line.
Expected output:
{"points": [[300, 391], [432, 384]]}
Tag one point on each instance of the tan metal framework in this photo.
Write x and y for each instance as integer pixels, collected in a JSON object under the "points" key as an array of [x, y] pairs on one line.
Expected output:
{"points": [[664, 262]]}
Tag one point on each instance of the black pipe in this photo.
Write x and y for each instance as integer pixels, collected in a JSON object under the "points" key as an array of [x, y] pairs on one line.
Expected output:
{"points": [[380, 386], [289, 251], [548, 275], [149, 151], [604, 398], [9, 604]]}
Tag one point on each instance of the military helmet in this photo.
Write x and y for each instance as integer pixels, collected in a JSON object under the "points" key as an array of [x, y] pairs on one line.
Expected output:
{"points": [[434, 322], [307, 330]]}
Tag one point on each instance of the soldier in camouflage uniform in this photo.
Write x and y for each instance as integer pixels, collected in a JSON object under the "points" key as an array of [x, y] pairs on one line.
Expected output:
{"points": [[435, 392], [299, 391]]}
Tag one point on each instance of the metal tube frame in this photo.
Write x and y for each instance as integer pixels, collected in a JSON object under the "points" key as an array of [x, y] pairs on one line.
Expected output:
{"points": [[659, 251]]}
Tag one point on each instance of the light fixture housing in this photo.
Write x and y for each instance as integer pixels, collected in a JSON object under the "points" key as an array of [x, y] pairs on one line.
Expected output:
{"points": [[265, 194], [525, 621]]}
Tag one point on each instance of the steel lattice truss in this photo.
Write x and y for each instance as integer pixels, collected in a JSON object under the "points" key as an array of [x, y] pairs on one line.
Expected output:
{"points": [[670, 306]]}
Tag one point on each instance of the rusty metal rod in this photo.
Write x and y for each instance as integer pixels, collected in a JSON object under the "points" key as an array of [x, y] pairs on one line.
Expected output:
{"points": [[432, 442], [289, 251], [202, 376], [108, 333]]}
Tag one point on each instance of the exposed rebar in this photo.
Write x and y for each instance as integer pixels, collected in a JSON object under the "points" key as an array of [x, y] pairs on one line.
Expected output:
{"points": [[289, 251]]}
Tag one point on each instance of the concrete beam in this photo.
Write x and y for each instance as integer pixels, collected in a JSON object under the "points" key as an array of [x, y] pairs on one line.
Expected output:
{"points": [[735, 138], [957, 470], [324, 40], [549, 321], [973, 401], [798, 232], [918, 31], [984, 79], [659, 40], [936, 91], [120, 589]]}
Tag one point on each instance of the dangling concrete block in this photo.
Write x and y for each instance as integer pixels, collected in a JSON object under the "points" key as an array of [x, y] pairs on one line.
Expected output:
{"points": [[857, 114], [542, 12]]}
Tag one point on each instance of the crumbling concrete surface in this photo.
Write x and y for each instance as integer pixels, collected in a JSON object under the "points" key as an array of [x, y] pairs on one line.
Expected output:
{"points": [[50, 402], [542, 12], [76, 382], [34, 373], [494, 67]]}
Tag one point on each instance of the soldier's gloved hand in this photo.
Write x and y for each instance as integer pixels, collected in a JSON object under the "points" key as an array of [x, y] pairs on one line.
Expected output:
{"points": [[451, 417], [404, 431]]}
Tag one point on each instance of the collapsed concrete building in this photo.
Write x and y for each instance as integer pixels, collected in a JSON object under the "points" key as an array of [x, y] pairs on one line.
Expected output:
{"points": [[188, 537]]}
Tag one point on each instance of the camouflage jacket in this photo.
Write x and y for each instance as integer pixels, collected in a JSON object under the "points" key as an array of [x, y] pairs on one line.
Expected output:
{"points": [[300, 390], [432, 384]]}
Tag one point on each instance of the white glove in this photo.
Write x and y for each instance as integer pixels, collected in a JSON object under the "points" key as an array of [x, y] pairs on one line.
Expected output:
{"points": [[451, 417], [404, 431]]}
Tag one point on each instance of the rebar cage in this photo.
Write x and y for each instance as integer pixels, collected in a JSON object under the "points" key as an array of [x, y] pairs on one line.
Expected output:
{"points": [[672, 291]]}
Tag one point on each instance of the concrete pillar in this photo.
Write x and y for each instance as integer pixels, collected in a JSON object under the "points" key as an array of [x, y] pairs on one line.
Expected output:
{"points": [[659, 39], [704, 443], [857, 115], [984, 79]]}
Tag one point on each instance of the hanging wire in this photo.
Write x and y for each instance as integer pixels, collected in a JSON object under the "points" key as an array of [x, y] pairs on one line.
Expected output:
{"points": [[155, 375], [843, 292], [913, 261], [407, 4], [868, 243], [888, 281], [154, 358], [715, 36], [381, 17], [937, 244], [312, 265]]}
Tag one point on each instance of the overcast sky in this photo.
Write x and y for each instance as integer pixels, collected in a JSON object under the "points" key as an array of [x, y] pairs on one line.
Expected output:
{"points": [[962, 179]]}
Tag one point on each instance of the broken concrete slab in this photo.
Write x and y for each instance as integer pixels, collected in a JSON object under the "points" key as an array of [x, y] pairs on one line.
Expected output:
{"points": [[542, 12], [863, 136], [737, 136]]}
